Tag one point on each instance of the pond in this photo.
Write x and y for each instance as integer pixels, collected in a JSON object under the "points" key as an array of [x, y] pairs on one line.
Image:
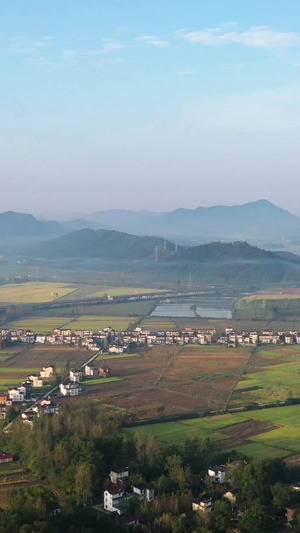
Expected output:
{"points": [[188, 310]]}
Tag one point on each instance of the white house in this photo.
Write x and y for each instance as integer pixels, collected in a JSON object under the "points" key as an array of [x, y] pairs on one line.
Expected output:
{"points": [[203, 505], [36, 380], [15, 395], [217, 473], [91, 370], [118, 473], [112, 499], [75, 375], [70, 388], [47, 372], [41, 339], [116, 349], [144, 491]]}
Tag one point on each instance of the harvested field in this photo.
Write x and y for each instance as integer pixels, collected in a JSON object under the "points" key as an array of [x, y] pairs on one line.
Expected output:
{"points": [[98, 323], [34, 292], [165, 380], [43, 325], [35, 357], [293, 462], [158, 324], [238, 434]]}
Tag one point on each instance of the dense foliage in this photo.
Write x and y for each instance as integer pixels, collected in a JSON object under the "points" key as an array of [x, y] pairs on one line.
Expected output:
{"points": [[71, 454]]}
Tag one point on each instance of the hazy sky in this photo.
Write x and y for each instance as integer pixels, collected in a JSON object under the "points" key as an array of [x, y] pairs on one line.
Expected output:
{"points": [[148, 104]]}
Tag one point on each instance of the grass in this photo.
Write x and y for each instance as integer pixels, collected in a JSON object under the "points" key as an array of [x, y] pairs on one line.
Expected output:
{"points": [[118, 356], [156, 323], [15, 470], [33, 292], [282, 441], [273, 382], [98, 323], [17, 370], [43, 325], [100, 289], [98, 381]]}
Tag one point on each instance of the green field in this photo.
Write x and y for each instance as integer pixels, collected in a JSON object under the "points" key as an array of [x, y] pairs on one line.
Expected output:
{"points": [[117, 356], [157, 323], [33, 292], [282, 441], [98, 323], [101, 381], [274, 382], [43, 325], [98, 290]]}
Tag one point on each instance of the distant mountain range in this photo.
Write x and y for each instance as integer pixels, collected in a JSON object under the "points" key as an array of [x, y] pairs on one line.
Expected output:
{"points": [[254, 222], [88, 245], [217, 262]]}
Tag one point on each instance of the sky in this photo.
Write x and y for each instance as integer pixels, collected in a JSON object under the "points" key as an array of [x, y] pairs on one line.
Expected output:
{"points": [[148, 104]]}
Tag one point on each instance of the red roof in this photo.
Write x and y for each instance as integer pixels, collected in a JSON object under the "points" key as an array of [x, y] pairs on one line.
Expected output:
{"points": [[6, 456], [116, 489]]}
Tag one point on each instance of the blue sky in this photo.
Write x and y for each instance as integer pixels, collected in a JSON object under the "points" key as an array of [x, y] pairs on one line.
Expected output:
{"points": [[149, 104]]}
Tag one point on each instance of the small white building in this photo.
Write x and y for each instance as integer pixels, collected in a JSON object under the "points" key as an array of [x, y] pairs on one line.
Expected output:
{"points": [[91, 370], [69, 388], [75, 375], [144, 491], [118, 473], [115, 349], [217, 474], [15, 395], [47, 372], [40, 339], [203, 505], [36, 380], [112, 499]]}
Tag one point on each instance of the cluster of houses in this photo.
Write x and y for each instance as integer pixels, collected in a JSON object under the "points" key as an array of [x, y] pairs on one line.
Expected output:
{"points": [[71, 385], [244, 338], [83, 337], [24, 391], [117, 342], [41, 407], [120, 490]]}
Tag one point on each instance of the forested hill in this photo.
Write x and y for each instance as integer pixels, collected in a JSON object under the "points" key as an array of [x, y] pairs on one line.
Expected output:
{"points": [[87, 244], [25, 227], [219, 252]]}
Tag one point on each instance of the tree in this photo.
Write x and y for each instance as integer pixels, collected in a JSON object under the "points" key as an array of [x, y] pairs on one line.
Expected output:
{"points": [[83, 486], [256, 520], [222, 515], [283, 495]]}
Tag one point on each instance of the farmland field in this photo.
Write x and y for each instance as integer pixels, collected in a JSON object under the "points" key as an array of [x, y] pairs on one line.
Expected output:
{"points": [[97, 323], [33, 292], [273, 375], [101, 381], [157, 323], [44, 325], [32, 359], [100, 289], [273, 432]]}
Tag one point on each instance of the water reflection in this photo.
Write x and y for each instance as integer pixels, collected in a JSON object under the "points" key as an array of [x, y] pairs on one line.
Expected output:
{"points": [[186, 310]]}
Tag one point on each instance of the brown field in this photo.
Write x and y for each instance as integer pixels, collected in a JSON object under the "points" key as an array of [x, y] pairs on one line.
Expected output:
{"points": [[38, 356], [238, 434], [293, 462], [165, 380]]}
